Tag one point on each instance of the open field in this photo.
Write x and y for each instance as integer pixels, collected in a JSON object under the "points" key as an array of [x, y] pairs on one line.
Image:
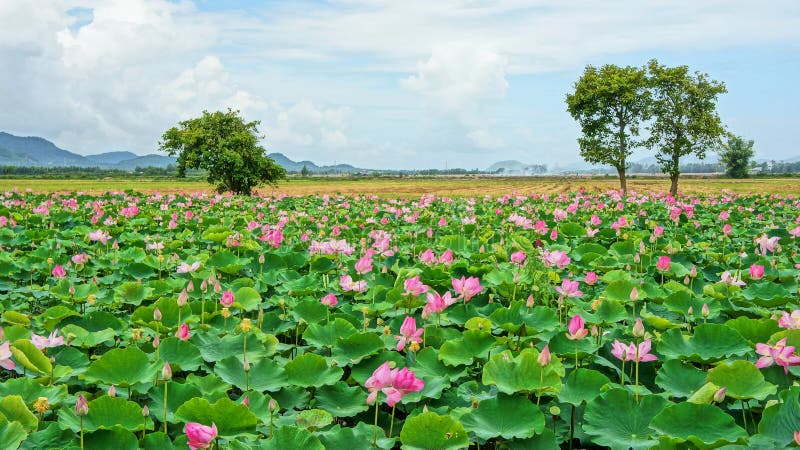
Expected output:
{"points": [[419, 185]]}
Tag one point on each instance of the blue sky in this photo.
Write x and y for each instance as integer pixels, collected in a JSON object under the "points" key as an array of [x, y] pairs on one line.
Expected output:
{"points": [[379, 83]]}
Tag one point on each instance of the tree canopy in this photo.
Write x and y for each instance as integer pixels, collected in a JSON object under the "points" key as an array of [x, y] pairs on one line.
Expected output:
{"points": [[225, 146], [736, 154]]}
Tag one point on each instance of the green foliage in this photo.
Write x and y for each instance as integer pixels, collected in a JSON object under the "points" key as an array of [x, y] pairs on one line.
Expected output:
{"points": [[736, 153], [226, 146]]}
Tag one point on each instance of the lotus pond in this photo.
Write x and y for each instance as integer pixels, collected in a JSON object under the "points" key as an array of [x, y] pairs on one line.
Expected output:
{"points": [[351, 322]]}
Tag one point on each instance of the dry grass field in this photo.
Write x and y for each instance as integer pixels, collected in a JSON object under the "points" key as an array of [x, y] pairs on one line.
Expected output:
{"points": [[413, 186]]}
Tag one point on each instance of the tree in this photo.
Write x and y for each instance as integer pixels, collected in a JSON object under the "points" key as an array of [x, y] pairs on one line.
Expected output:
{"points": [[224, 145], [610, 104], [684, 107], [304, 171], [736, 154]]}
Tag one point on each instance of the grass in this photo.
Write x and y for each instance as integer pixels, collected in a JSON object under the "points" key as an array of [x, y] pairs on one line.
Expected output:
{"points": [[414, 186]]}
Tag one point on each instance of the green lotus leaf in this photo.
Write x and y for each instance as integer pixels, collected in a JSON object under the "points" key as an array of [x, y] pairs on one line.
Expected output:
{"points": [[292, 397], [352, 349], [754, 330], [780, 420], [473, 344], [767, 294], [30, 357], [615, 419], [620, 291], [359, 436], [178, 394], [327, 335], [586, 249], [183, 354], [700, 424], [131, 293], [517, 315], [322, 264], [122, 367], [544, 441], [226, 262], [139, 271], [13, 408], [709, 342], [310, 369], [582, 385], [16, 318], [430, 431], [30, 390], [51, 317], [572, 229], [118, 439], [679, 302], [11, 434], [341, 400], [264, 375], [609, 311], [523, 373], [81, 337], [504, 416], [742, 379], [50, 437], [292, 437], [157, 441], [247, 298], [105, 412], [214, 348], [311, 311], [231, 418], [313, 419], [427, 364], [679, 379]]}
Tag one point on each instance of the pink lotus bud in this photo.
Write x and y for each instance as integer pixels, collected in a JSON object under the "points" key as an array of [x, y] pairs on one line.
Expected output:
{"points": [[166, 372], [273, 405], [156, 342], [704, 311], [157, 314], [544, 356], [81, 406], [112, 391], [638, 328], [246, 401], [719, 396], [634, 294], [183, 298], [146, 411]]}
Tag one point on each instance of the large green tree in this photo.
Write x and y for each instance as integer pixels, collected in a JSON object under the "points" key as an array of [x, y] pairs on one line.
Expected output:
{"points": [[685, 120], [610, 104], [225, 146], [736, 154]]}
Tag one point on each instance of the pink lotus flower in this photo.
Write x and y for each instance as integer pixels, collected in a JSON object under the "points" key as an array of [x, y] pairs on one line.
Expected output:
{"points": [[569, 288], [446, 258], [381, 378], [726, 229], [329, 300], [756, 272], [80, 258], [795, 232], [81, 406], [59, 272], [556, 258], [5, 357], [779, 354], [403, 383], [414, 287], [767, 244], [467, 287], [227, 299], [408, 333], [544, 357], [664, 263], [790, 321], [576, 328], [658, 231], [518, 257], [731, 280], [53, 340], [364, 265], [187, 268], [436, 303], [200, 436], [99, 235], [632, 352], [619, 350], [427, 257], [183, 332], [590, 278]]}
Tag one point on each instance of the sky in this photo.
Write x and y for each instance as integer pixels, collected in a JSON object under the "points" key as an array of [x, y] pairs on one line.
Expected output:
{"points": [[379, 83]]}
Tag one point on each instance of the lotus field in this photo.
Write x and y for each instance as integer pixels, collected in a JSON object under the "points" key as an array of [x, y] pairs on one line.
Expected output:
{"points": [[350, 322]]}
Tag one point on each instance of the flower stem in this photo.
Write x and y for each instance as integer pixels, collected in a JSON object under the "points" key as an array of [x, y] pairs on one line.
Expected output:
{"points": [[391, 424], [541, 382], [375, 430], [166, 383], [81, 432]]}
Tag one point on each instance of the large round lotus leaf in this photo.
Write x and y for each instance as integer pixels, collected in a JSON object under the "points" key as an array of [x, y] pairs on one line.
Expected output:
{"points": [[427, 364], [13, 408], [523, 373], [679, 302], [582, 385], [473, 344], [615, 419], [312, 311], [214, 348], [709, 342], [679, 379], [264, 375], [504, 416], [81, 337], [310, 369], [608, 311], [11, 433], [700, 424], [157, 441], [742, 379], [322, 264], [121, 367], [139, 271], [779, 421], [754, 330], [320, 335], [51, 437], [52, 316], [517, 315], [131, 293], [620, 291], [30, 390], [246, 298], [544, 441], [230, 417], [105, 412], [291, 437], [178, 394], [180, 353], [341, 400], [27, 355], [572, 229], [351, 350], [118, 439], [226, 262], [767, 294], [430, 431], [360, 436], [211, 386], [313, 419]]}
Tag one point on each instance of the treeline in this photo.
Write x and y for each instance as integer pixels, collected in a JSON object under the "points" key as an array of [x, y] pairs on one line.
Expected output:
{"points": [[76, 172]]}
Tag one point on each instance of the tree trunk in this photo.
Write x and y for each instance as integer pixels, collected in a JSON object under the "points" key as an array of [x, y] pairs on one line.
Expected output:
{"points": [[675, 173], [623, 182], [673, 189]]}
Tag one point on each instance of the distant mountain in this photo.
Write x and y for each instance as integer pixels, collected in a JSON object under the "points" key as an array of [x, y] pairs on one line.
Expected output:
{"points": [[513, 167], [111, 157], [39, 152], [297, 166], [151, 160]]}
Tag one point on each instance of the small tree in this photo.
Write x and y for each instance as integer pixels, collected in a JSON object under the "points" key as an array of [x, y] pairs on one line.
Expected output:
{"points": [[610, 104], [224, 145], [685, 117], [736, 154], [304, 171]]}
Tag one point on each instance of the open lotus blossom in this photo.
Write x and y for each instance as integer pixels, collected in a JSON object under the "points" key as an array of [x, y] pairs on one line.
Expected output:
{"points": [[780, 354], [187, 268], [381, 379], [576, 329], [408, 333], [556, 258], [404, 382], [59, 272], [664, 263], [569, 288], [632, 352], [790, 321], [200, 436], [99, 236], [518, 257], [467, 288], [767, 244], [756, 272], [5, 357], [347, 284], [437, 303], [590, 278], [227, 299], [183, 332], [414, 287], [80, 258], [427, 257], [446, 258], [329, 300], [53, 340], [795, 232], [731, 280], [364, 265]]}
